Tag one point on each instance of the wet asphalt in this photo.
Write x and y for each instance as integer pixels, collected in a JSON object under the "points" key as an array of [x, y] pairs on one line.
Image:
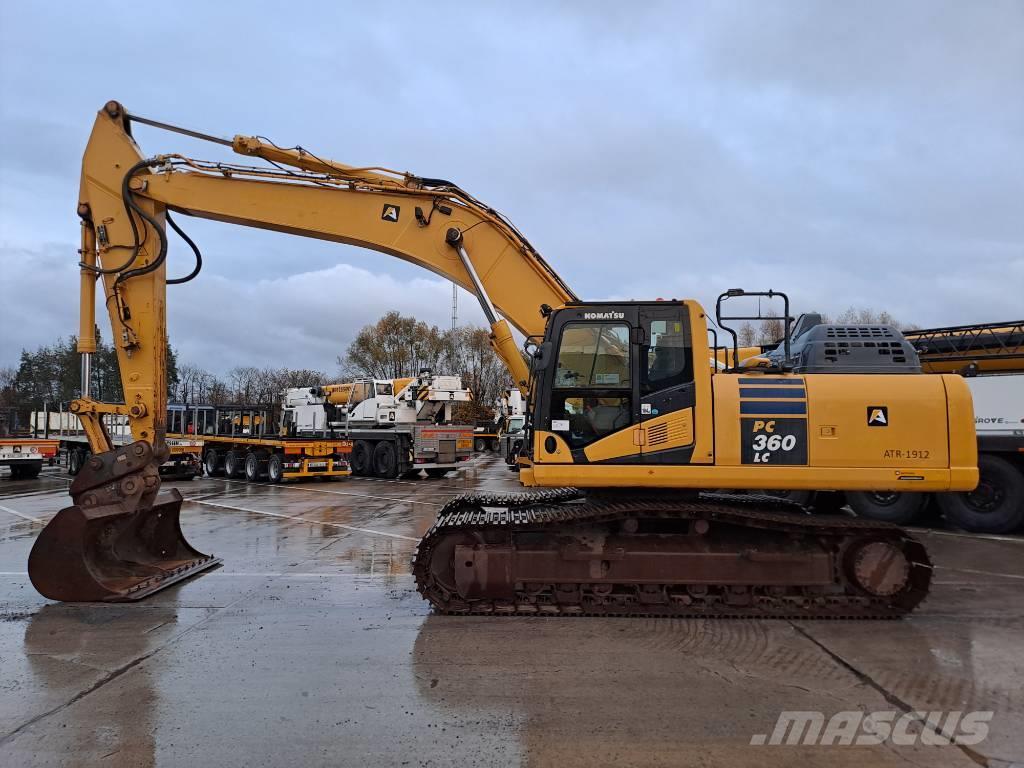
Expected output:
{"points": [[310, 647]]}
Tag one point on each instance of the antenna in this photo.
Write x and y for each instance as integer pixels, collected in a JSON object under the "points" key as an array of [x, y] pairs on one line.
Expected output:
{"points": [[455, 305]]}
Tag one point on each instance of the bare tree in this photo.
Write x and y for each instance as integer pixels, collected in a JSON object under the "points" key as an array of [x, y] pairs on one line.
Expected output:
{"points": [[8, 375], [868, 316], [747, 335], [393, 347], [771, 329], [469, 354]]}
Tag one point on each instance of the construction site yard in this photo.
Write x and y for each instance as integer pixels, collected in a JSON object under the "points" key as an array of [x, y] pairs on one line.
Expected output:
{"points": [[310, 646]]}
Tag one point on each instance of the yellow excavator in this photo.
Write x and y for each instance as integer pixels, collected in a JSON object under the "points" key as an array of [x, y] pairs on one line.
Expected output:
{"points": [[633, 415]]}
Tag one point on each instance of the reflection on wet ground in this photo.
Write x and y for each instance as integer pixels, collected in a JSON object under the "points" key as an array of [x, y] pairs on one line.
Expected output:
{"points": [[310, 646]]}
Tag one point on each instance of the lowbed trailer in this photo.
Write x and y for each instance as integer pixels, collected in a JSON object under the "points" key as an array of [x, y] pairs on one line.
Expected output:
{"points": [[239, 442], [65, 429]]}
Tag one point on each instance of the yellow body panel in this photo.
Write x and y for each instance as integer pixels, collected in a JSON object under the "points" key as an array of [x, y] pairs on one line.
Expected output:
{"points": [[662, 433], [963, 442], [626, 442], [791, 478], [922, 437]]}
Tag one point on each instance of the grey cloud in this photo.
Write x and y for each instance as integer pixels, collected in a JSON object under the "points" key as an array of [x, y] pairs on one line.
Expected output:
{"points": [[868, 153]]}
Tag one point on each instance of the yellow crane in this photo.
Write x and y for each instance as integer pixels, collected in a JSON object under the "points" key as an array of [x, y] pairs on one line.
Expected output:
{"points": [[627, 421]]}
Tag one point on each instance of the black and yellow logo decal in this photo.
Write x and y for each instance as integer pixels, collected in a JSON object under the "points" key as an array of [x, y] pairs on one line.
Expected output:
{"points": [[390, 213], [878, 416], [780, 440]]}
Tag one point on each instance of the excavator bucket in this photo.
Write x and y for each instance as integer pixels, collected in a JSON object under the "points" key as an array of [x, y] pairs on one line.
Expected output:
{"points": [[122, 538]]}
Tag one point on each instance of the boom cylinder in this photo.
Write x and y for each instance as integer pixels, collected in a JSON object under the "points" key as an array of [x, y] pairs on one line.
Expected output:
{"points": [[455, 240], [87, 303], [501, 334]]}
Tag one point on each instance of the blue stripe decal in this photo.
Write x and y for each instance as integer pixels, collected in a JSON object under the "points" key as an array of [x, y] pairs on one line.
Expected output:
{"points": [[765, 407], [774, 382], [748, 392]]}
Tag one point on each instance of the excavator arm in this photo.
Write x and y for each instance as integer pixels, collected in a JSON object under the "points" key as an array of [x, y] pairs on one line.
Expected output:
{"points": [[121, 539]]}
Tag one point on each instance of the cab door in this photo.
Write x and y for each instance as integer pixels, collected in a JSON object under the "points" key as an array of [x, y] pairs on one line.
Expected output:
{"points": [[593, 406], [665, 383]]}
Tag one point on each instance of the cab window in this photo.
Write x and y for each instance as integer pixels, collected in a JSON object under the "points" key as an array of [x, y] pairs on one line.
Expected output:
{"points": [[593, 356], [360, 391], [383, 388], [667, 359]]}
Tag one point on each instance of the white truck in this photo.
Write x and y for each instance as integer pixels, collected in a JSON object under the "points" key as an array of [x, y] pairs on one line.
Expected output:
{"points": [[397, 426], [488, 435], [512, 426]]}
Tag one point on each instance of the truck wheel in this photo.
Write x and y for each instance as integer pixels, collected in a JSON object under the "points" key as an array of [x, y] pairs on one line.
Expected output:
{"points": [[995, 506], [493, 447], [479, 445], [234, 464], [213, 465], [255, 466], [76, 458], [437, 472], [385, 460], [888, 506], [30, 470], [275, 468], [362, 458]]}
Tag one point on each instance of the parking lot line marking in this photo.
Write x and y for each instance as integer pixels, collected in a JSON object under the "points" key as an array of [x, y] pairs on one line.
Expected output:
{"points": [[335, 493], [980, 573], [307, 520], [18, 514], [958, 534], [34, 493]]}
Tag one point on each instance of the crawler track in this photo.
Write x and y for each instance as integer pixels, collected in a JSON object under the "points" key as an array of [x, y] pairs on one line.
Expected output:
{"points": [[558, 552]]}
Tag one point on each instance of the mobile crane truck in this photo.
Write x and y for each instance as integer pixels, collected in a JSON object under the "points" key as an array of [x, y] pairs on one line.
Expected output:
{"points": [[397, 427], [627, 423]]}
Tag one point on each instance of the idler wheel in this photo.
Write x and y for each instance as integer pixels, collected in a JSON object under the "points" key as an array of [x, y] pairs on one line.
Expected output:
{"points": [[880, 568]]}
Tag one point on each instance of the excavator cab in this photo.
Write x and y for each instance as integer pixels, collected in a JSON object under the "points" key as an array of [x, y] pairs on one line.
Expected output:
{"points": [[607, 367]]}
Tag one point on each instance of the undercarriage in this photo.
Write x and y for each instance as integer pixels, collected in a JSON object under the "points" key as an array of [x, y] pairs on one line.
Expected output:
{"points": [[561, 552]]}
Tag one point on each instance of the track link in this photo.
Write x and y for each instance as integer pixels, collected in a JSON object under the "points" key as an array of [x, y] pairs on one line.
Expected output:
{"points": [[815, 567]]}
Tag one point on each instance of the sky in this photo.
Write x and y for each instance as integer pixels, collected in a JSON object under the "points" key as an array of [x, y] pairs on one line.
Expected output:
{"points": [[867, 154]]}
